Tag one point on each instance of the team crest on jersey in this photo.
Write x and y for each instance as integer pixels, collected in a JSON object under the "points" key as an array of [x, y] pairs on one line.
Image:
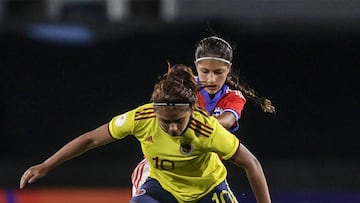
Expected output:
{"points": [[149, 139], [217, 111], [120, 120], [186, 148]]}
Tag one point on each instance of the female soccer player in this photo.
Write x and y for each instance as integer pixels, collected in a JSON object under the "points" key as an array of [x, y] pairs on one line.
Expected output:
{"points": [[221, 94], [181, 142]]}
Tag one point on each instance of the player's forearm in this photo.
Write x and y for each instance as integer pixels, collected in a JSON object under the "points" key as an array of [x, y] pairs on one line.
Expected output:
{"points": [[69, 151], [258, 183], [226, 119], [246, 160], [79, 145]]}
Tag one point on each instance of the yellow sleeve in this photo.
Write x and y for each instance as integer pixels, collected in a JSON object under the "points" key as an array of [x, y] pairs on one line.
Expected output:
{"points": [[224, 142], [122, 125]]}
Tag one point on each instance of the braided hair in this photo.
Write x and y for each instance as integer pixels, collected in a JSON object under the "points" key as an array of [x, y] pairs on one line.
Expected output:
{"points": [[217, 47]]}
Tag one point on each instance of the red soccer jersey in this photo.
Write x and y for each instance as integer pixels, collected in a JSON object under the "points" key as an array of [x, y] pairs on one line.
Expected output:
{"points": [[225, 100]]}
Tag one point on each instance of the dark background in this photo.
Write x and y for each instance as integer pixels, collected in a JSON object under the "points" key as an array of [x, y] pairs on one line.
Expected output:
{"points": [[305, 60]]}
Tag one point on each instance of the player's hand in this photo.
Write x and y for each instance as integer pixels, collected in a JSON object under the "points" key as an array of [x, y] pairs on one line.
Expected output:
{"points": [[32, 174]]}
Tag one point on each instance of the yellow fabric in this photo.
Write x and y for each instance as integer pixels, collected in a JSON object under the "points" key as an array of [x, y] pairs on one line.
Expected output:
{"points": [[187, 175]]}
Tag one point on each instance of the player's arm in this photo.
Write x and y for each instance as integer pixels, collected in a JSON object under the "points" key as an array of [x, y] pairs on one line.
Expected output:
{"points": [[246, 160], [232, 109], [72, 149], [226, 119]]}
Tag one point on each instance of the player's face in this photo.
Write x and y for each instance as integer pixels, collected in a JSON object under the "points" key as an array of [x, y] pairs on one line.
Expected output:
{"points": [[213, 73], [173, 120]]}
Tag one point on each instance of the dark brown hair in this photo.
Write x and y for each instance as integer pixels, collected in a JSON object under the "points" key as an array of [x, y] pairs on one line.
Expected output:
{"points": [[178, 85], [217, 47]]}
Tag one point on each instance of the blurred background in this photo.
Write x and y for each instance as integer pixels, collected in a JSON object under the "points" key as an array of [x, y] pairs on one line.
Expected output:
{"points": [[68, 66]]}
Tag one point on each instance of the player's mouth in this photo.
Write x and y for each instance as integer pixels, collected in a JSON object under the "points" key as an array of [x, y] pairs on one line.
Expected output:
{"points": [[211, 87]]}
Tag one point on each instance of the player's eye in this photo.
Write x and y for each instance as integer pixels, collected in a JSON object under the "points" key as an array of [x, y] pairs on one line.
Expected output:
{"points": [[166, 122]]}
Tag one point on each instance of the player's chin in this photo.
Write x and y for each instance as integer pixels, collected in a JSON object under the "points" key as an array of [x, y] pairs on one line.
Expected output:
{"points": [[212, 90], [174, 134]]}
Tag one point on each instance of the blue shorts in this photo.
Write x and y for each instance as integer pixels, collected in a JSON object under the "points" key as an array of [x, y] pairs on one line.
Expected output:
{"points": [[152, 192]]}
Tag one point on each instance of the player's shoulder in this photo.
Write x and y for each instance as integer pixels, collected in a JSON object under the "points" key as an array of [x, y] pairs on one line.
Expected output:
{"points": [[144, 111], [234, 93], [203, 123], [139, 112], [201, 111]]}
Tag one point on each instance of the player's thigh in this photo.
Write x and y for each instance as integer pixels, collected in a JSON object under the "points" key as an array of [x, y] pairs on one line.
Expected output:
{"points": [[220, 194], [152, 192], [139, 176], [143, 199]]}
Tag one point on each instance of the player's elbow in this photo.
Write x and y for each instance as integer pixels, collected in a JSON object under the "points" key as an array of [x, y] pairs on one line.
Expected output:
{"points": [[245, 159]]}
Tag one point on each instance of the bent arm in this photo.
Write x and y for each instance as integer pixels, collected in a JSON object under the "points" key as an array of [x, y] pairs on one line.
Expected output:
{"points": [[246, 160], [79, 145], [226, 119], [72, 149]]}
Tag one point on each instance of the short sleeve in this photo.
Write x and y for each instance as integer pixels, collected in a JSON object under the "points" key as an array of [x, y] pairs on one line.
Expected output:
{"points": [[224, 142], [122, 125]]}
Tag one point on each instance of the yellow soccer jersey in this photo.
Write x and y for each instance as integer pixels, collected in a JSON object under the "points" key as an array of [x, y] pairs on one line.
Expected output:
{"points": [[188, 166]]}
